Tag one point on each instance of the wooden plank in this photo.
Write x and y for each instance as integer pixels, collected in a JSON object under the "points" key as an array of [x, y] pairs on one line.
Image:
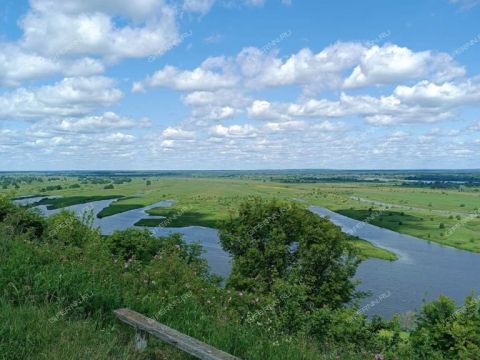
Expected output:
{"points": [[181, 341]]}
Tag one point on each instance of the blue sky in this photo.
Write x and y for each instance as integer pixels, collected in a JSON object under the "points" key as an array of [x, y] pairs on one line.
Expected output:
{"points": [[246, 84]]}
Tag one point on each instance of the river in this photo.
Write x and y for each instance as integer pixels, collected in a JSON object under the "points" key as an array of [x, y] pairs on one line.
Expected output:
{"points": [[423, 271]]}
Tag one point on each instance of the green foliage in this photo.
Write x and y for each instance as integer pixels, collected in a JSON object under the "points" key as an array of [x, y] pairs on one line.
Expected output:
{"points": [[58, 288], [18, 220], [133, 244], [27, 333], [65, 228], [445, 332], [272, 241]]}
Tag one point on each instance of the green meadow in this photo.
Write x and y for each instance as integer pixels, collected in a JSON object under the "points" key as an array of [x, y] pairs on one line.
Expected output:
{"points": [[446, 216]]}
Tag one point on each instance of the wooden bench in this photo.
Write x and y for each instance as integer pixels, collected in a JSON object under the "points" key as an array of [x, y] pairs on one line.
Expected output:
{"points": [[145, 326]]}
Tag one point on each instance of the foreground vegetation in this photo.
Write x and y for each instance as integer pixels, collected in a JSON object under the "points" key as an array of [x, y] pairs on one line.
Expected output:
{"points": [[61, 280]]}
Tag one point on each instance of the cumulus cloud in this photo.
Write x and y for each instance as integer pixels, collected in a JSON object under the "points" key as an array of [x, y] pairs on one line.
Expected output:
{"points": [[252, 68], [119, 138], [68, 97], [422, 102], [391, 64], [96, 34], [172, 133], [77, 38], [448, 94], [322, 115], [233, 131], [203, 78], [17, 66], [99, 123]]}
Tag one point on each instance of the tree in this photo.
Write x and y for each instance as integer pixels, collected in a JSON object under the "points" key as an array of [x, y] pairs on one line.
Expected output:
{"points": [[447, 331], [149, 183], [276, 243]]}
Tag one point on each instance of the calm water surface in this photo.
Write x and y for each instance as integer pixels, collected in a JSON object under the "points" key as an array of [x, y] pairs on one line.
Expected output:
{"points": [[424, 270]]}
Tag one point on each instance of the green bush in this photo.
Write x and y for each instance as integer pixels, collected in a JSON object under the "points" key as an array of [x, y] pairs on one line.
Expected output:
{"points": [[17, 220], [133, 244], [66, 229], [445, 332]]}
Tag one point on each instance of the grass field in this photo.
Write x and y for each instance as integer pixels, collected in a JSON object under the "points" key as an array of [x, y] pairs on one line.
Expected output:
{"points": [[59, 203], [450, 217], [368, 250]]}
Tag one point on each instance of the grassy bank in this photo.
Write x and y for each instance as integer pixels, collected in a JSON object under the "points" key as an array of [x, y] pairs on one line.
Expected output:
{"points": [[367, 250], [59, 203]]}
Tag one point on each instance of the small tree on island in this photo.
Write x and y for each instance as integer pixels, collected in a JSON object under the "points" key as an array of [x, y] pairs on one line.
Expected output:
{"points": [[280, 245]]}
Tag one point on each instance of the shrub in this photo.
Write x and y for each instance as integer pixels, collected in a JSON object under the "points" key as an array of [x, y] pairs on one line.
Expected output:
{"points": [[65, 228], [133, 244], [17, 220], [447, 332]]}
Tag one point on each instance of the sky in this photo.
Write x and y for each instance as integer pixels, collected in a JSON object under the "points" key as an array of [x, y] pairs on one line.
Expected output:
{"points": [[245, 84]]}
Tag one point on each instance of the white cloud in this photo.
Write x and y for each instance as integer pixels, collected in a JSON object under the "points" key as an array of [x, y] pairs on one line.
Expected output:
{"points": [[213, 39], [224, 97], [262, 109], [119, 138], [448, 94], [100, 123], [69, 97], [203, 78], [213, 113], [138, 9], [423, 102], [391, 64], [78, 37], [199, 6], [87, 34], [233, 131], [172, 133], [17, 66], [285, 126], [253, 69], [83, 67], [321, 69], [329, 126], [475, 126]]}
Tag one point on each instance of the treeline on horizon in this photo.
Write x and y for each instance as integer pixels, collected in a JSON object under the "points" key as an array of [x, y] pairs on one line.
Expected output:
{"points": [[436, 179], [290, 295]]}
